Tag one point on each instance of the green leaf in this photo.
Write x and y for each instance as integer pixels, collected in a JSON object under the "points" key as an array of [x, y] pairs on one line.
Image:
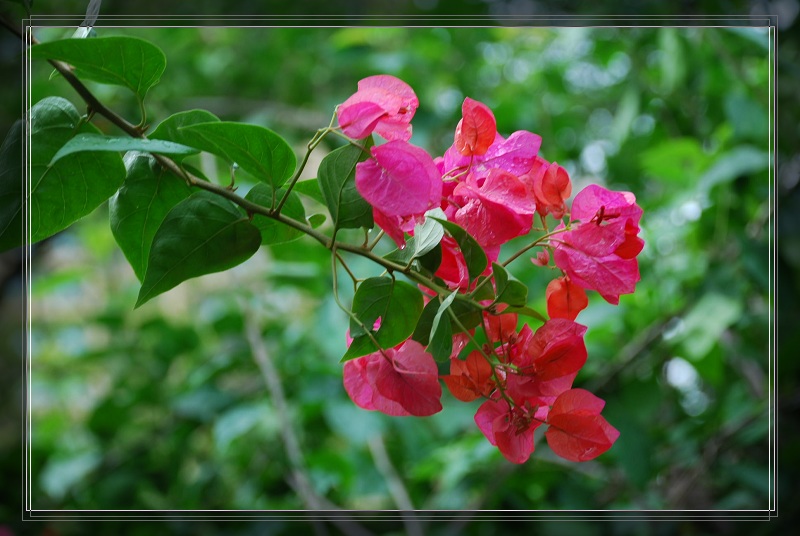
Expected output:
{"points": [[397, 303], [66, 191], [194, 171], [170, 128], [315, 220], [11, 191], [337, 180], [311, 189], [429, 234], [139, 207], [509, 290], [422, 331], [121, 61], [273, 231], [202, 234], [431, 260], [256, 149], [371, 302], [441, 339], [483, 291], [468, 315], [474, 255], [100, 143]]}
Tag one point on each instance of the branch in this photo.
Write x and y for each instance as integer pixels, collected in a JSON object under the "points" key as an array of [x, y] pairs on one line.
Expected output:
{"points": [[97, 107], [398, 491], [291, 444], [8, 25], [298, 478]]}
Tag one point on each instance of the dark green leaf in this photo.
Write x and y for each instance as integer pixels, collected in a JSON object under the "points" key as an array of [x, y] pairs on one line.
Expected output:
{"points": [[509, 290], [422, 331], [467, 315], [75, 185], [194, 171], [141, 204], [203, 234], [100, 143], [441, 344], [483, 291], [169, 128], [431, 260], [273, 231], [11, 191], [256, 149], [474, 255], [397, 303], [337, 181], [122, 61], [441, 339], [371, 302]]}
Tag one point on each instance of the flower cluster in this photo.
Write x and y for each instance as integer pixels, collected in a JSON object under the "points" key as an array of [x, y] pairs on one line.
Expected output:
{"points": [[492, 187]]}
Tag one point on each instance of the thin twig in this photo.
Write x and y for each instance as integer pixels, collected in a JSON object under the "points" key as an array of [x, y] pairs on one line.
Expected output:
{"points": [[298, 478], [398, 491], [272, 380]]}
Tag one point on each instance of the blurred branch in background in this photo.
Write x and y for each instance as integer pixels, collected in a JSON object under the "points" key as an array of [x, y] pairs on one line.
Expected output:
{"points": [[299, 479]]}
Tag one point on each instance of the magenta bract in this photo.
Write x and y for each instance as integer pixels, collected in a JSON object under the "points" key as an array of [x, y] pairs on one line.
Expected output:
{"points": [[399, 180], [383, 104], [590, 254]]}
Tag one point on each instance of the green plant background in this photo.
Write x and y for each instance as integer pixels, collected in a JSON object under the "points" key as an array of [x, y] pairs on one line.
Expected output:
{"points": [[165, 407]]}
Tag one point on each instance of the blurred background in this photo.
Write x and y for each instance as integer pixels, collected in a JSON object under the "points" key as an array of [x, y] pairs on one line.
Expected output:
{"points": [[226, 392]]}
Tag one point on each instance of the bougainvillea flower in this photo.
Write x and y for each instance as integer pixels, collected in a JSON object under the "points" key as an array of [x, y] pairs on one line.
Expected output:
{"points": [[399, 381], [556, 349], [542, 258], [511, 429], [500, 327], [495, 209], [546, 361], [565, 299], [599, 254], [396, 226], [477, 129], [453, 268], [514, 155], [399, 180], [383, 104], [471, 378], [577, 431], [551, 187]]}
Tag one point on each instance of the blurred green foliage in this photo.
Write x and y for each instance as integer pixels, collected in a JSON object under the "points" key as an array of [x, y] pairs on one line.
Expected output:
{"points": [[165, 407]]}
